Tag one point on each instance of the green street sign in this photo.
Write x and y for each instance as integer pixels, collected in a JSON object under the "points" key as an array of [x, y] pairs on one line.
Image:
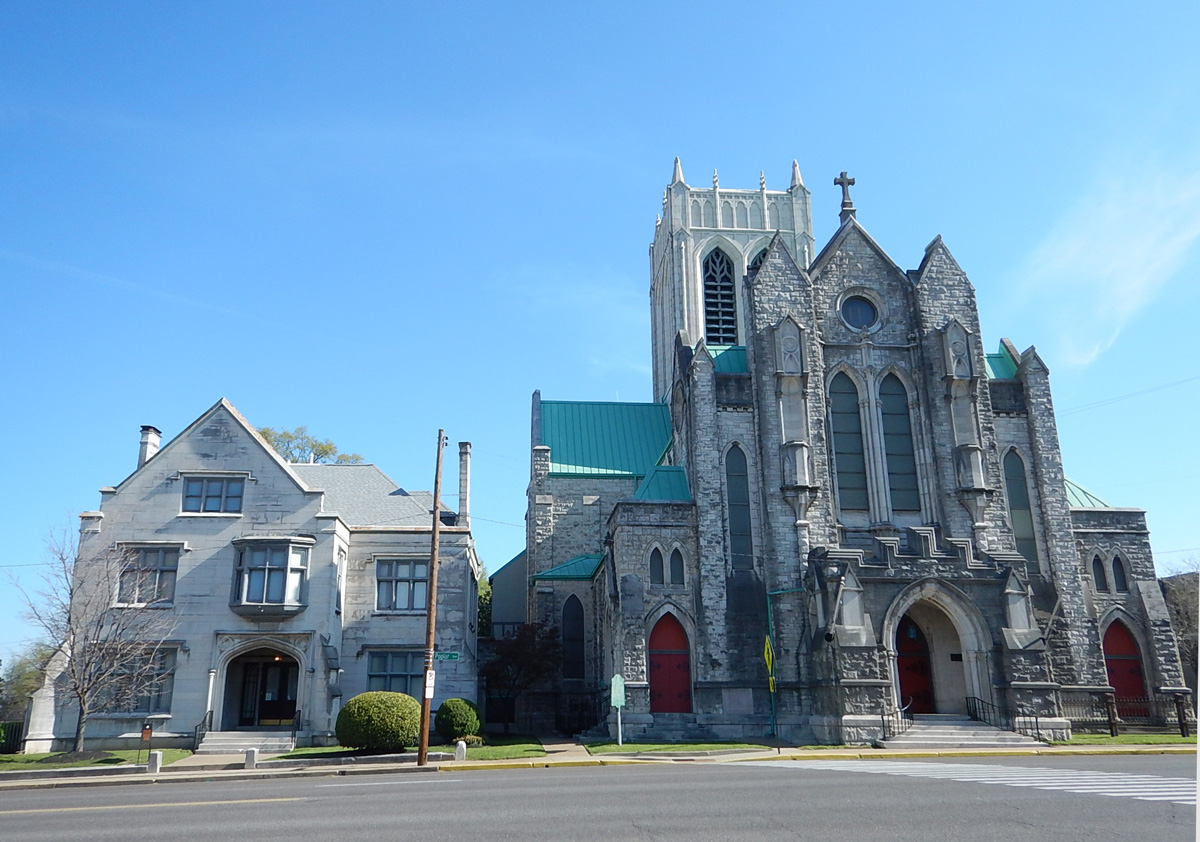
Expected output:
{"points": [[618, 691], [445, 656]]}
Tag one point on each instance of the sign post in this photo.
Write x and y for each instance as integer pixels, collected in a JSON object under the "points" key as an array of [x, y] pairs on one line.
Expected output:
{"points": [[618, 701]]}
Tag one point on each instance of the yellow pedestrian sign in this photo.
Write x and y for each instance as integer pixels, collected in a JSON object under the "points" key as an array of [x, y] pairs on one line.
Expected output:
{"points": [[769, 657]]}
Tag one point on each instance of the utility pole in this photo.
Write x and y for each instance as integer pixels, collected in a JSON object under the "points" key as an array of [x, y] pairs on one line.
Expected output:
{"points": [[431, 616]]}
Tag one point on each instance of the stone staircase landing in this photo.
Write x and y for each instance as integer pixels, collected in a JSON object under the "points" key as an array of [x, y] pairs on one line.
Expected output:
{"points": [[236, 742], [949, 730]]}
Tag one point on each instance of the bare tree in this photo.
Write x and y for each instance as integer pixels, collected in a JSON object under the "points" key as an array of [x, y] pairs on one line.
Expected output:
{"points": [[1181, 590], [107, 615]]}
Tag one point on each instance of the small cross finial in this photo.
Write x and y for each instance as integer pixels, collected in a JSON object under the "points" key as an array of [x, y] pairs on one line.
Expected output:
{"points": [[716, 183], [845, 182]]}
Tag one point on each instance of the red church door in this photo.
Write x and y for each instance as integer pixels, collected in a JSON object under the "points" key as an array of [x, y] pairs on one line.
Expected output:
{"points": [[670, 668], [912, 663], [1123, 662]]}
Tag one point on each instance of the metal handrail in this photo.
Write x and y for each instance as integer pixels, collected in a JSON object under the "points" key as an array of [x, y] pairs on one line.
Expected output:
{"points": [[202, 728], [987, 712], [297, 718], [896, 722]]}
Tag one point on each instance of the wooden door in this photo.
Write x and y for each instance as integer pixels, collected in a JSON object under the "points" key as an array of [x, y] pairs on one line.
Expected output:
{"points": [[670, 668], [1123, 662], [912, 663]]}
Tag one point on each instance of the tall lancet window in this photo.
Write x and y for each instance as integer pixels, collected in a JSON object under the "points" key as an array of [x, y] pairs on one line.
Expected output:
{"points": [[898, 445], [1020, 514], [848, 458], [720, 308], [737, 503]]}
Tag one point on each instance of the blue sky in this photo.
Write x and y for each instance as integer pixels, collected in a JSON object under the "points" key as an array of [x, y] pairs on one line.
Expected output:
{"points": [[381, 219]]}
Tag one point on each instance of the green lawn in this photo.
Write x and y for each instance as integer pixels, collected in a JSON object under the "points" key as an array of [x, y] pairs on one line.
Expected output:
{"points": [[499, 747], [32, 762], [1125, 740], [628, 748]]}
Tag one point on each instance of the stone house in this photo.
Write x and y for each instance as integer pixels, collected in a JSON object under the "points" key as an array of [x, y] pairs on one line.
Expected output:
{"points": [[289, 588], [838, 504]]}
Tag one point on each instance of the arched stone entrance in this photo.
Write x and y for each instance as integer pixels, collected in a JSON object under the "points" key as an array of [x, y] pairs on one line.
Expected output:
{"points": [[1123, 662], [938, 646], [261, 688], [670, 667]]}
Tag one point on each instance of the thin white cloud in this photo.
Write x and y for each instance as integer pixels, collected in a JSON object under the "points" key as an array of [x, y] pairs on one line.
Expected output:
{"points": [[1109, 256]]}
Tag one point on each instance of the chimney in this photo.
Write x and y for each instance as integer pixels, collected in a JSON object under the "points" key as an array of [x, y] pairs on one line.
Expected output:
{"points": [[464, 484], [151, 436]]}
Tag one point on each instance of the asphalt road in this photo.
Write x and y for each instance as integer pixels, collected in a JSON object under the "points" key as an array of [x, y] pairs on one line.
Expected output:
{"points": [[1010, 799]]}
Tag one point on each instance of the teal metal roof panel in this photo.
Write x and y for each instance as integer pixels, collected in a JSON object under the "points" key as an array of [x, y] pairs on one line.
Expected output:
{"points": [[665, 482], [1079, 497], [1000, 366], [580, 567], [605, 439], [729, 359]]}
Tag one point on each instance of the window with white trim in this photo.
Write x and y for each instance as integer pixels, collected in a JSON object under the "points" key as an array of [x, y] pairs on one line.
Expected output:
{"points": [[213, 495], [271, 577], [148, 576], [396, 671], [401, 584]]}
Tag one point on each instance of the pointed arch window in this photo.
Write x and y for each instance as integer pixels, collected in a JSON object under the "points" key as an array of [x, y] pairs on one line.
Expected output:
{"points": [[572, 638], [898, 446], [676, 567], [1020, 513], [737, 504], [1120, 582], [849, 460], [1098, 576], [656, 566], [720, 308], [758, 260]]}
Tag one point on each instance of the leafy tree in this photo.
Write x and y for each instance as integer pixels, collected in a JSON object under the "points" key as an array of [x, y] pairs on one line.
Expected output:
{"points": [[23, 676], [298, 446], [105, 657], [1182, 594], [484, 619], [522, 661]]}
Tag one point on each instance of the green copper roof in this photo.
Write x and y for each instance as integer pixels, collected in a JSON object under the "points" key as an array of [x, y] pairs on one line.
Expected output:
{"points": [[666, 482], [1079, 497], [729, 359], [1000, 366], [580, 567], [605, 439]]}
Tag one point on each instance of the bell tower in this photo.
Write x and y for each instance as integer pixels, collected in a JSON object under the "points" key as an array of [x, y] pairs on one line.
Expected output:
{"points": [[705, 242]]}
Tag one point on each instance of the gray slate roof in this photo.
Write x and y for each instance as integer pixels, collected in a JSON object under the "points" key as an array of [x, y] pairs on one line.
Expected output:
{"points": [[363, 495]]}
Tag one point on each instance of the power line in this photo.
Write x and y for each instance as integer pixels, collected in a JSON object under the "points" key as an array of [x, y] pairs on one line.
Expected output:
{"points": [[1107, 401]]}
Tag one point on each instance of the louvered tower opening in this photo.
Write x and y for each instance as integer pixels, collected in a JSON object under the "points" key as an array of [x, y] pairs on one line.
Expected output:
{"points": [[720, 308]]}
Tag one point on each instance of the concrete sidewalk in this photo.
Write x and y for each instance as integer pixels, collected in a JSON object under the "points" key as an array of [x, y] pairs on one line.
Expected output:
{"points": [[559, 753]]}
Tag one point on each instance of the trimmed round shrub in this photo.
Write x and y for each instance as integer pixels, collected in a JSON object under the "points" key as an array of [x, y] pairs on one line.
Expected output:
{"points": [[380, 721], [456, 718]]}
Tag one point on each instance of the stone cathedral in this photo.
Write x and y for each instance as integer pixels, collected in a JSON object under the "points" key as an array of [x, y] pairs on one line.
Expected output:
{"points": [[839, 505]]}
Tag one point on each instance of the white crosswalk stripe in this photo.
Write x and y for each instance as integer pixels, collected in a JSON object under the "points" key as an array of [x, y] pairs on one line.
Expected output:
{"points": [[1140, 787]]}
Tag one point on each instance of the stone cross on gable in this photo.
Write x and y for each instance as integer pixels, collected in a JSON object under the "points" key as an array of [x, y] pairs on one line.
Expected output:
{"points": [[845, 182]]}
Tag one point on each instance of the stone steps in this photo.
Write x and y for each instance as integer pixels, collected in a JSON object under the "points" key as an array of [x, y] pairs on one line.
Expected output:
{"points": [[236, 742], [934, 731]]}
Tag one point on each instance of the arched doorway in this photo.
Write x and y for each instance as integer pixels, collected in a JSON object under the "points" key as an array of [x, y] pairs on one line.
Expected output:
{"points": [[930, 669], [670, 667], [1123, 662], [260, 690]]}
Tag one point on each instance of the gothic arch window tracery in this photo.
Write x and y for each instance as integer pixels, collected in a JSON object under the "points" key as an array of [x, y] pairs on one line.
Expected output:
{"points": [[849, 457], [1098, 575], [898, 446], [720, 307], [572, 638], [1020, 512], [737, 509], [758, 260]]}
